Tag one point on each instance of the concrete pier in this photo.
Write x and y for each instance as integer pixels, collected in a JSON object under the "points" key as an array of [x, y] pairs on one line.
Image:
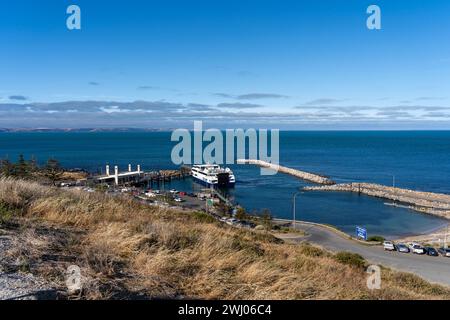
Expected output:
{"points": [[120, 177], [311, 177], [437, 204]]}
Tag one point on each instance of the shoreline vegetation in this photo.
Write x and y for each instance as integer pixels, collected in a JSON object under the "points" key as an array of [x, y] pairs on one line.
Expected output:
{"points": [[129, 250]]}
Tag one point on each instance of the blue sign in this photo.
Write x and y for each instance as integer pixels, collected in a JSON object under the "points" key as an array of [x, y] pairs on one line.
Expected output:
{"points": [[361, 233]]}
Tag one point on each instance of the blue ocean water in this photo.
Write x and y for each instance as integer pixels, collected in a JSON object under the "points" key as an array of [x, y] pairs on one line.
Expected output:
{"points": [[418, 160]]}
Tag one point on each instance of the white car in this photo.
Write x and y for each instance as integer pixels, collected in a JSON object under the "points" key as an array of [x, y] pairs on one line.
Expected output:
{"points": [[418, 249], [388, 245], [178, 199], [232, 221], [411, 245]]}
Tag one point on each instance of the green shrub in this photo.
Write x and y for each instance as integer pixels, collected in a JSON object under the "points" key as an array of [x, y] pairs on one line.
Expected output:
{"points": [[5, 213], [376, 239], [416, 284], [203, 217], [351, 259], [311, 251]]}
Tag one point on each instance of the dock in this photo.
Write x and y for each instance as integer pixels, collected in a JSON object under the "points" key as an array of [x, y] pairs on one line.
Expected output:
{"points": [[306, 176], [120, 177], [138, 176]]}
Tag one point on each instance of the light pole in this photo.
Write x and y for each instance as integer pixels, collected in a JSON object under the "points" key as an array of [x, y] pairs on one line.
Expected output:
{"points": [[445, 239], [293, 207]]}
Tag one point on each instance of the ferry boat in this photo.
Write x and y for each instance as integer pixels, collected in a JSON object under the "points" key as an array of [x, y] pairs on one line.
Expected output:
{"points": [[213, 175]]}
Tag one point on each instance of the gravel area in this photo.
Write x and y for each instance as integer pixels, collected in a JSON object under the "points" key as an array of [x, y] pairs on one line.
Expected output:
{"points": [[19, 285]]}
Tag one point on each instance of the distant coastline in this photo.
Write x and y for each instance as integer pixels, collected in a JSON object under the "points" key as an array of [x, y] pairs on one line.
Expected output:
{"points": [[142, 129], [83, 130]]}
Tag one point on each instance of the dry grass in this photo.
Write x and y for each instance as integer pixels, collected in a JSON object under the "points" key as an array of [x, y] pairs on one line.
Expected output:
{"points": [[128, 250]]}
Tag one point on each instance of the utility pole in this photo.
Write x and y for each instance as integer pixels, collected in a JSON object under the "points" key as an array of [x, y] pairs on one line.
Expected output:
{"points": [[293, 208], [445, 237]]}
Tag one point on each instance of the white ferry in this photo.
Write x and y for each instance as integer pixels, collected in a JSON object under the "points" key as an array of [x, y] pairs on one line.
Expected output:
{"points": [[213, 175]]}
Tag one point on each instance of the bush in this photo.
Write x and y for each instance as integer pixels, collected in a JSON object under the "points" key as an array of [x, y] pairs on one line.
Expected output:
{"points": [[5, 213], [351, 259], [203, 217], [311, 251], [376, 239]]}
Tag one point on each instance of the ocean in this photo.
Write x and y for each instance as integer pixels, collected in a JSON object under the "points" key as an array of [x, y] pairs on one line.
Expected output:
{"points": [[417, 159]]}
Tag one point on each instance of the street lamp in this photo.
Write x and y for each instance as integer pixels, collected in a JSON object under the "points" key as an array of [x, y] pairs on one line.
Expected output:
{"points": [[293, 207]]}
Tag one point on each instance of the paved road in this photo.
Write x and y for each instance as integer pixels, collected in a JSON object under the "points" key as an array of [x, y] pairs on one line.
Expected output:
{"points": [[433, 269]]}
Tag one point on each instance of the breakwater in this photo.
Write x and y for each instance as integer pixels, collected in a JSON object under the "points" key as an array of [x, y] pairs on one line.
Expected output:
{"points": [[426, 202], [311, 177]]}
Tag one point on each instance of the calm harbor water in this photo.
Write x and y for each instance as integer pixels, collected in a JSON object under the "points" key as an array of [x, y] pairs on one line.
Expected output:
{"points": [[418, 160]]}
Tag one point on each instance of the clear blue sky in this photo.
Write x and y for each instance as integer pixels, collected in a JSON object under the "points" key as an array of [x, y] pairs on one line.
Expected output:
{"points": [[312, 62]]}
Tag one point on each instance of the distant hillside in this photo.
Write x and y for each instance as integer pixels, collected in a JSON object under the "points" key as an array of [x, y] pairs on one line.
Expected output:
{"points": [[129, 250], [82, 130]]}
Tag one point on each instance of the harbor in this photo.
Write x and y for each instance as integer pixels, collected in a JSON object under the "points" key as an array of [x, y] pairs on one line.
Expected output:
{"points": [[425, 202], [326, 154]]}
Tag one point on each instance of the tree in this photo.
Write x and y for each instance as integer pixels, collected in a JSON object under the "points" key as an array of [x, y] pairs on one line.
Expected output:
{"points": [[266, 216], [6, 168], [33, 165], [241, 214], [21, 169], [53, 171]]}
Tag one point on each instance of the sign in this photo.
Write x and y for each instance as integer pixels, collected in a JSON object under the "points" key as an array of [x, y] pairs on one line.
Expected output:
{"points": [[361, 233]]}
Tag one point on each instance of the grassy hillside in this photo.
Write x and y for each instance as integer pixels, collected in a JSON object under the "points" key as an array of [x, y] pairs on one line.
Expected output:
{"points": [[129, 250]]}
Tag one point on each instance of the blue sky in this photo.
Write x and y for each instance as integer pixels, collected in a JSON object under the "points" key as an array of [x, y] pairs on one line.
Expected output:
{"points": [[288, 64]]}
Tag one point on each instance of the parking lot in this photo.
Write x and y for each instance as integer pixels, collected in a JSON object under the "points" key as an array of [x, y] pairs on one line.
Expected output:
{"points": [[435, 269]]}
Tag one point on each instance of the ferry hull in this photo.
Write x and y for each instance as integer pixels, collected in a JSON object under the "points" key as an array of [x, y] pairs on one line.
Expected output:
{"points": [[200, 181]]}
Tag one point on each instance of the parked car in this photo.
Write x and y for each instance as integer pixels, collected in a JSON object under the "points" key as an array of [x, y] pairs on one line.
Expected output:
{"points": [[177, 199], [431, 251], [389, 245], [401, 247], [232, 221], [173, 191], [411, 245], [444, 251], [418, 249]]}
